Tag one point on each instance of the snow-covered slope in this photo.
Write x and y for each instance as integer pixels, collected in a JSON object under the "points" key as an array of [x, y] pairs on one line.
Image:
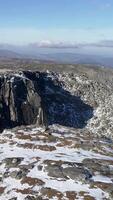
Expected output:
{"points": [[66, 164]]}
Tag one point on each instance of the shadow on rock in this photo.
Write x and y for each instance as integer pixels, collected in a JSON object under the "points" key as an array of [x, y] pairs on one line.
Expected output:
{"points": [[60, 106]]}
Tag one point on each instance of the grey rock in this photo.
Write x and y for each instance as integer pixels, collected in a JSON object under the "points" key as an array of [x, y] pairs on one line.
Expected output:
{"points": [[105, 170], [18, 174], [72, 172], [40, 167], [12, 162], [6, 174]]}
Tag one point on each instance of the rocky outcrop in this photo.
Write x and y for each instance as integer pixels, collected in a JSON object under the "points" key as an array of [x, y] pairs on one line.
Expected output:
{"points": [[39, 98], [20, 103]]}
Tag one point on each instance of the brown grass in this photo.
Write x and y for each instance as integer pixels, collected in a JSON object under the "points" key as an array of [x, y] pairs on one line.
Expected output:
{"points": [[71, 195], [46, 148], [50, 193], [32, 181], [2, 190], [24, 191], [21, 136]]}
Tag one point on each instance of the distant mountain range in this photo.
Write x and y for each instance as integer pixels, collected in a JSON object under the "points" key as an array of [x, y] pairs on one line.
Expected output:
{"points": [[4, 53], [59, 57]]}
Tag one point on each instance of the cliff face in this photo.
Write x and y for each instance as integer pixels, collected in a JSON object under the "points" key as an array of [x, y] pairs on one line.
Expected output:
{"points": [[19, 100], [47, 98], [39, 98]]}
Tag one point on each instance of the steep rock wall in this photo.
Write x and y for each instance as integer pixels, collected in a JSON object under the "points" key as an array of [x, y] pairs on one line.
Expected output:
{"points": [[39, 98]]}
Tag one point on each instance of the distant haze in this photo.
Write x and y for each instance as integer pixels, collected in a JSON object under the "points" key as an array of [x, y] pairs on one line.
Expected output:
{"points": [[79, 55]]}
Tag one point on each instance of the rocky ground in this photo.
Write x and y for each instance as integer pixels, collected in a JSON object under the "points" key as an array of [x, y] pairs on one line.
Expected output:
{"points": [[64, 163], [73, 159]]}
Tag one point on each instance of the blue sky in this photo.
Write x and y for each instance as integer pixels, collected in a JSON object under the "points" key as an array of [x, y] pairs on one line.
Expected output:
{"points": [[79, 21]]}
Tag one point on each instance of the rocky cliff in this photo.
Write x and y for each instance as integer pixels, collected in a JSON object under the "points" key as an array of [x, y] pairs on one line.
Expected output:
{"points": [[47, 98], [39, 98], [19, 101]]}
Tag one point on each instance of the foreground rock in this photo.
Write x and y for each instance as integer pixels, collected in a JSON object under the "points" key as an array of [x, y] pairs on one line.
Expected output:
{"points": [[79, 166]]}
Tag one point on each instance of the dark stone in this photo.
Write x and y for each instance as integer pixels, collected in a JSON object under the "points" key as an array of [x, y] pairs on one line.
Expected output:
{"points": [[30, 198]]}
